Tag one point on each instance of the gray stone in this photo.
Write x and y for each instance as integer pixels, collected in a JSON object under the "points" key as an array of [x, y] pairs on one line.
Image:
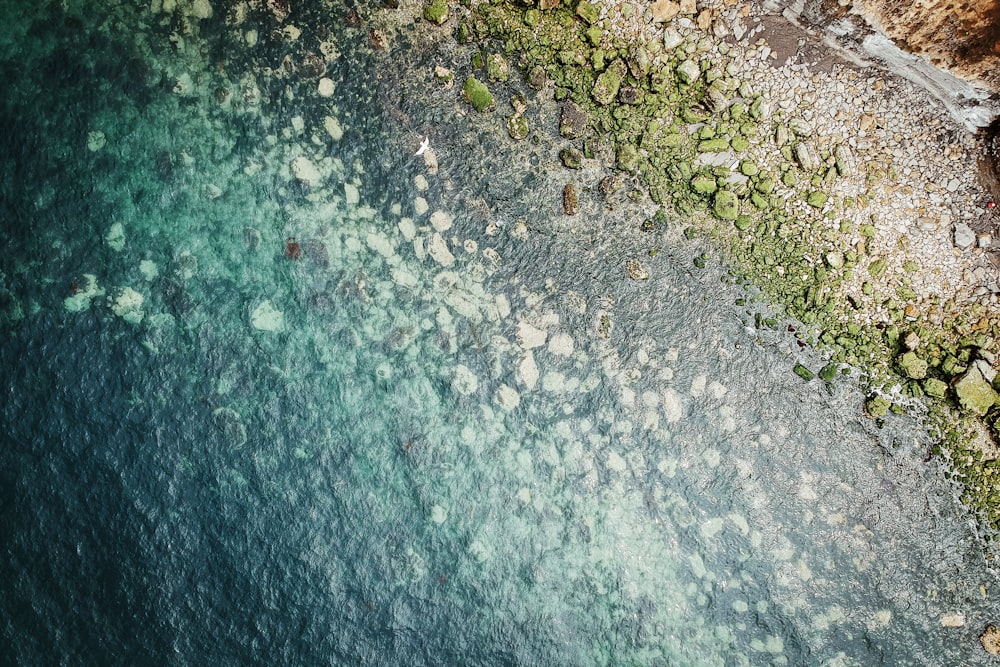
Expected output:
{"points": [[806, 156], [965, 238]]}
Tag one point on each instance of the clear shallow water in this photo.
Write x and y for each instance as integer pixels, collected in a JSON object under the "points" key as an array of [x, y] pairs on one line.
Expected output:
{"points": [[397, 470]]}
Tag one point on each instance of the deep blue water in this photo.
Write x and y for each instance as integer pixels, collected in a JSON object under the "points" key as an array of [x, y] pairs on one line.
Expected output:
{"points": [[396, 470]]}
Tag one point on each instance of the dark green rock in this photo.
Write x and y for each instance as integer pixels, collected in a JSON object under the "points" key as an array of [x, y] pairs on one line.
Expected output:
{"points": [[803, 372]]}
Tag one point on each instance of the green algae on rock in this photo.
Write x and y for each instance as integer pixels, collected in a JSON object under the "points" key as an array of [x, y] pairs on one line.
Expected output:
{"points": [[478, 95]]}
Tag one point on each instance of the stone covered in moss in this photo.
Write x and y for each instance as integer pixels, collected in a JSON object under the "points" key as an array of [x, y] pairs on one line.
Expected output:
{"points": [[726, 206], [704, 184], [817, 199], [497, 68], [974, 393], [935, 388], [517, 127], [587, 12], [609, 82], [913, 366], [803, 372], [436, 11], [477, 94], [877, 406]]}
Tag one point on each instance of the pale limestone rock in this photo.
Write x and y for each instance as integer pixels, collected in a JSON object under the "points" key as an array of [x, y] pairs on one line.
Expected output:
{"points": [[437, 248], [529, 337], [333, 128], [325, 87], [464, 381], [265, 317], [561, 344], [664, 10], [304, 170], [527, 370], [441, 221], [507, 397]]}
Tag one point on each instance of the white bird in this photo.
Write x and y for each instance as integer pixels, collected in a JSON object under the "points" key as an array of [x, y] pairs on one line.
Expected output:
{"points": [[424, 145]]}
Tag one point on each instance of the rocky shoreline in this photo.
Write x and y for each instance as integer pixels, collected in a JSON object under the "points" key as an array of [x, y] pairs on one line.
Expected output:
{"points": [[846, 195]]}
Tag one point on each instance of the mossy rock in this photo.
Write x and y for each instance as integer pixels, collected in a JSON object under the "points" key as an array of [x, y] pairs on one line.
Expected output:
{"points": [[517, 127], [587, 12], [877, 406], [828, 372], [935, 388], [913, 366], [817, 199], [571, 157], [497, 68], [803, 372], [478, 95], [719, 145], [974, 393], [609, 82], [436, 11], [703, 184], [726, 205]]}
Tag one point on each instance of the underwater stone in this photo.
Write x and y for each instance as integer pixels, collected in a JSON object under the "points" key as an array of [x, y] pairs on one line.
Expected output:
{"points": [[974, 392], [561, 344], [325, 88], [517, 127], [990, 639], [527, 370], [441, 221], [529, 336], [333, 128], [571, 204], [437, 248], [115, 238], [304, 170], [265, 317], [464, 381], [507, 397], [635, 270], [673, 410], [497, 68], [128, 305], [96, 141], [571, 157], [608, 83]]}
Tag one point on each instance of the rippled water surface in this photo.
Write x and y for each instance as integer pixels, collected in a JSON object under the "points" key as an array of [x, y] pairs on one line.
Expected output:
{"points": [[398, 414]]}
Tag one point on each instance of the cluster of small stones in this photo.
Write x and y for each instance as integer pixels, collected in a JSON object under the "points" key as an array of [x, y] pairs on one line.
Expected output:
{"points": [[824, 188]]}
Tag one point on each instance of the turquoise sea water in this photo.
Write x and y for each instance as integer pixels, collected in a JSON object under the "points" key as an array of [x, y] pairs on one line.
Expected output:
{"points": [[399, 415]]}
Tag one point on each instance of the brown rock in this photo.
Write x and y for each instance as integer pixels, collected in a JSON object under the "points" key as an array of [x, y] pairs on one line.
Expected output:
{"points": [[705, 19], [548, 4], [688, 7], [990, 639], [664, 10], [571, 203]]}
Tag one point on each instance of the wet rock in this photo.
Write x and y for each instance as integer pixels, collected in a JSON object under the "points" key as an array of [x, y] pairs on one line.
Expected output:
{"points": [[128, 305], [609, 82], [306, 172], [115, 238], [635, 270], [974, 392], [573, 122], [571, 203]]}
